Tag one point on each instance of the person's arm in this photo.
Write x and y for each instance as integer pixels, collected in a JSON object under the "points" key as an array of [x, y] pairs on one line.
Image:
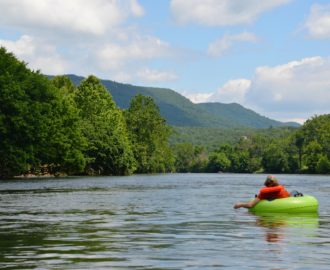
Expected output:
{"points": [[247, 204]]}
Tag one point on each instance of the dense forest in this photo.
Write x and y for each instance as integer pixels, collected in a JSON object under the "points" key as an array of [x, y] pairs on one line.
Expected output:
{"points": [[302, 150], [52, 126]]}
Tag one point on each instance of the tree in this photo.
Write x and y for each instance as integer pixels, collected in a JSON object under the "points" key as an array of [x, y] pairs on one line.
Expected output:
{"points": [[315, 140], [189, 158], [313, 153], [16, 149], [66, 135], [37, 123], [184, 155], [275, 159], [149, 134], [109, 150], [323, 165], [200, 160], [218, 162], [299, 142]]}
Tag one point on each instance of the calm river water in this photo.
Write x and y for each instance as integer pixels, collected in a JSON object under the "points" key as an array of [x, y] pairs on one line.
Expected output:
{"points": [[173, 221]]}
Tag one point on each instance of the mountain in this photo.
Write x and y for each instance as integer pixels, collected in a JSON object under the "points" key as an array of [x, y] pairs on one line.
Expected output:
{"points": [[180, 111], [245, 117]]}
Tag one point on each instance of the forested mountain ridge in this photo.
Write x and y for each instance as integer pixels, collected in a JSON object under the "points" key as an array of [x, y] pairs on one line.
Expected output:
{"points": [[235, 112], [180, 111]]}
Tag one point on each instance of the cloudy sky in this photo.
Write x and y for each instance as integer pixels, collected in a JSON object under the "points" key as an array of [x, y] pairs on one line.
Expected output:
{"points": [[270, 56]]}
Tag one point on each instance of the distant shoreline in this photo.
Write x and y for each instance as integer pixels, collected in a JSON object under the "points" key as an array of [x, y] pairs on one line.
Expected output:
{"points": [[31, 176]]}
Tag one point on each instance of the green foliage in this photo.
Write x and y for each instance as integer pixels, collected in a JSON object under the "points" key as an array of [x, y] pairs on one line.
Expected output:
{"points": [[184, 156], [189, 158], [313, 143], [149, 134], [211, 138], [179, 111], [240, 157], [234, 114], [200, 160], [56, 127], [275, 159], [15, 147], [323, 165], [218, 162], [64, 84], [35, 123], [66, 135], [312, 154], [254, 153], [109, 150]]}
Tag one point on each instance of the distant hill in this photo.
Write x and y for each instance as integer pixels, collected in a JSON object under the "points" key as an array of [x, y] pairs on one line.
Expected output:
{"points": [[245, 117], [180, 111]]}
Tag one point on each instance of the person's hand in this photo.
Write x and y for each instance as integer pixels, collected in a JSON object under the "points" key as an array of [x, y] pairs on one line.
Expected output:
{"points": [[237, 205]]}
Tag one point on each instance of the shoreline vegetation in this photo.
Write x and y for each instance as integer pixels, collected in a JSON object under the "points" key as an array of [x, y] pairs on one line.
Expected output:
{"points": [[51, 127], [29, 176]]}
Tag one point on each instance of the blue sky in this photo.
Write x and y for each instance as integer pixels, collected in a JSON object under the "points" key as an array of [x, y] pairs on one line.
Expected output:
{"points": [[270, 56]]}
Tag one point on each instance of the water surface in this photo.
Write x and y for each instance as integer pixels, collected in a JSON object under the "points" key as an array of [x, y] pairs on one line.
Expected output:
{"points": [[174, 221]]}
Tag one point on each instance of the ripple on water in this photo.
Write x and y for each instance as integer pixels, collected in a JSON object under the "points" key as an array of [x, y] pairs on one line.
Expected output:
{"points": [[157, 222]]}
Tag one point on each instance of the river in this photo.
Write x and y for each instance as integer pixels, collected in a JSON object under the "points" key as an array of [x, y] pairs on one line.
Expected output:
{"points": [[170, 221]]}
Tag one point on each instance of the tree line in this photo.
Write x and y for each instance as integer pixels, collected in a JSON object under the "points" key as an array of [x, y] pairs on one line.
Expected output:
{"points": [[303, 150], [54, 127]]}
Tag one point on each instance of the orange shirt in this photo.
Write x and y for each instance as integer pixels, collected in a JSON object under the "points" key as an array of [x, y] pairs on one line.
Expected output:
{"points": [[269, 193]]}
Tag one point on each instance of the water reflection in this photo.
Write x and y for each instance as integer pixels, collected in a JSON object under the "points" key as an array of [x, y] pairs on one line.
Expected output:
{"points": [[278, 225]]}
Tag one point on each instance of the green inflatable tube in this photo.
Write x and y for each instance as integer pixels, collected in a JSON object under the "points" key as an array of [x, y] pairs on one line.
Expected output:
{"points": [[303, 204]]}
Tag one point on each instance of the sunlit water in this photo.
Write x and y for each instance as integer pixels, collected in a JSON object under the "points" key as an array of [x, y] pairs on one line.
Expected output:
{"points": [[174, 221]]}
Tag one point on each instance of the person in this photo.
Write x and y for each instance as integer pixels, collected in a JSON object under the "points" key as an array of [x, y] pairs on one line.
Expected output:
{"points": [[272, 190]]}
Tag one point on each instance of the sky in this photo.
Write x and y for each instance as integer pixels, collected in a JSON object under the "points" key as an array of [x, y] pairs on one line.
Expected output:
{"points": [[270, 56]]}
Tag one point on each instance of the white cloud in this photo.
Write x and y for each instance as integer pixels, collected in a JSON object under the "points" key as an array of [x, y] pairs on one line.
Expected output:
{"points": [[318, 22], [232, 91], [118, 60], [197, 97], [38, 54], [74, 16], [85, 37], [136, 8], [121, 76], [298, 86], [156, 75], [116, 55], [221, 13], [290, 92], [218, 47]]}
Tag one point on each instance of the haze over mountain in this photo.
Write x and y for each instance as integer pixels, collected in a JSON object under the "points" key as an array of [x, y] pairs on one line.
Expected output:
{"points": [[180, 111]]}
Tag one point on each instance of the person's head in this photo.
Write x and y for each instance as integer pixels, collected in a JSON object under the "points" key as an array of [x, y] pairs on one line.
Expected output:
{"points": [[271, 181]]}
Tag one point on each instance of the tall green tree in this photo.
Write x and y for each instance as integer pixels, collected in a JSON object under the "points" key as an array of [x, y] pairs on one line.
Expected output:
{"points": [[299, 143], [275, 159], [66, 134], [109, 150], [189, 158], [36, 123], [313, 153], [218, 162], [149, 134], [16, 149], [184, 156], [323, 165], [315, 137]]}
